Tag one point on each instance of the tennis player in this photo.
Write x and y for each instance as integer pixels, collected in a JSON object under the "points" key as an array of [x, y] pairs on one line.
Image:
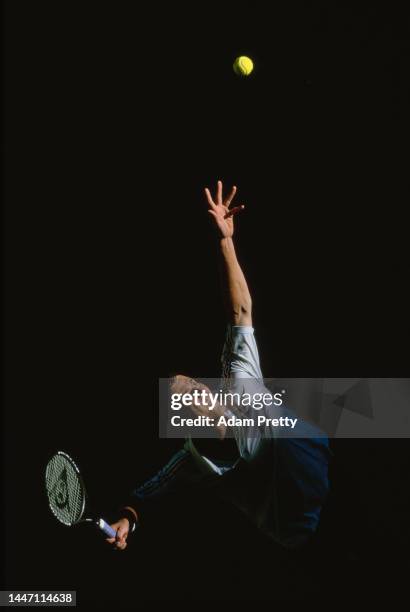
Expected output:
{"points": [[280, 482]]}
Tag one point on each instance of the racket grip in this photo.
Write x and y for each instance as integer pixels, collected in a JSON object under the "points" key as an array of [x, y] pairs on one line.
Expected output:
{"points": [[105, 527]]}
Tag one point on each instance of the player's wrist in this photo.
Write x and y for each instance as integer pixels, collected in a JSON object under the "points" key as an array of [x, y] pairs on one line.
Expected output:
{"points": [[131, 516], [225, 243]]}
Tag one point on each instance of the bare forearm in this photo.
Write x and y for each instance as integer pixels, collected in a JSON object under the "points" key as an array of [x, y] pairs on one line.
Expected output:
{"points": [[235, 289], [236, 293]]}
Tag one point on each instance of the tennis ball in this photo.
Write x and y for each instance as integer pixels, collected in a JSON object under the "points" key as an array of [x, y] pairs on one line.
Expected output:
{"points": [[243, 65]]}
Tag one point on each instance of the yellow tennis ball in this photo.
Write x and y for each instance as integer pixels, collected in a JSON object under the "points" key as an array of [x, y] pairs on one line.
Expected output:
{"points": [[243, 65]]}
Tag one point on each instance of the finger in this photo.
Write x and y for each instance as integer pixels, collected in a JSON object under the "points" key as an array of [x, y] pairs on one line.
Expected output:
{"points": [[121, 545], [209, 198], [120, 542], [110, 540], [219, 193], [234, 211], [122, 533], [213, 213], [231, 196]]}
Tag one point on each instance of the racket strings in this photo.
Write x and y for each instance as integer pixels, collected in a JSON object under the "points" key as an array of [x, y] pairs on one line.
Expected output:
{"points": [[65, 490]]}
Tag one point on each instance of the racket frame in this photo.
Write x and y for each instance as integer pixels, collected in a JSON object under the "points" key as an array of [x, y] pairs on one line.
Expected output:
{"points": [[100, 523]]}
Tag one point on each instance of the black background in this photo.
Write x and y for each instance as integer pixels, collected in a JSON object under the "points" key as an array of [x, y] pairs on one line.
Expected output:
{"points": [[116, 117]]}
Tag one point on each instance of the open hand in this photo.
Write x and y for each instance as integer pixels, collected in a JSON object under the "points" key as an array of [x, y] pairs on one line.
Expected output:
{"points": [[220, 209]]}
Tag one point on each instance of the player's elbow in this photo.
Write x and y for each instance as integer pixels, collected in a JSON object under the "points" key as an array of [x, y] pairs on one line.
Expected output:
{"points": [[242, 313]]}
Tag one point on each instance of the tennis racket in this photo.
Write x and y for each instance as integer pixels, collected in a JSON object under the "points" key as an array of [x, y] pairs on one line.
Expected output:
{"points": [[67, 495]]}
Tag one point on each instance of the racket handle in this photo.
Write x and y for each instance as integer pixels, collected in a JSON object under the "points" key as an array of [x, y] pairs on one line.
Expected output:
{"points": [[105, 527]]}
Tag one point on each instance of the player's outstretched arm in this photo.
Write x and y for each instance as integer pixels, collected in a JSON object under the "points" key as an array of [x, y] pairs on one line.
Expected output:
{"points": [[236, 293]]}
